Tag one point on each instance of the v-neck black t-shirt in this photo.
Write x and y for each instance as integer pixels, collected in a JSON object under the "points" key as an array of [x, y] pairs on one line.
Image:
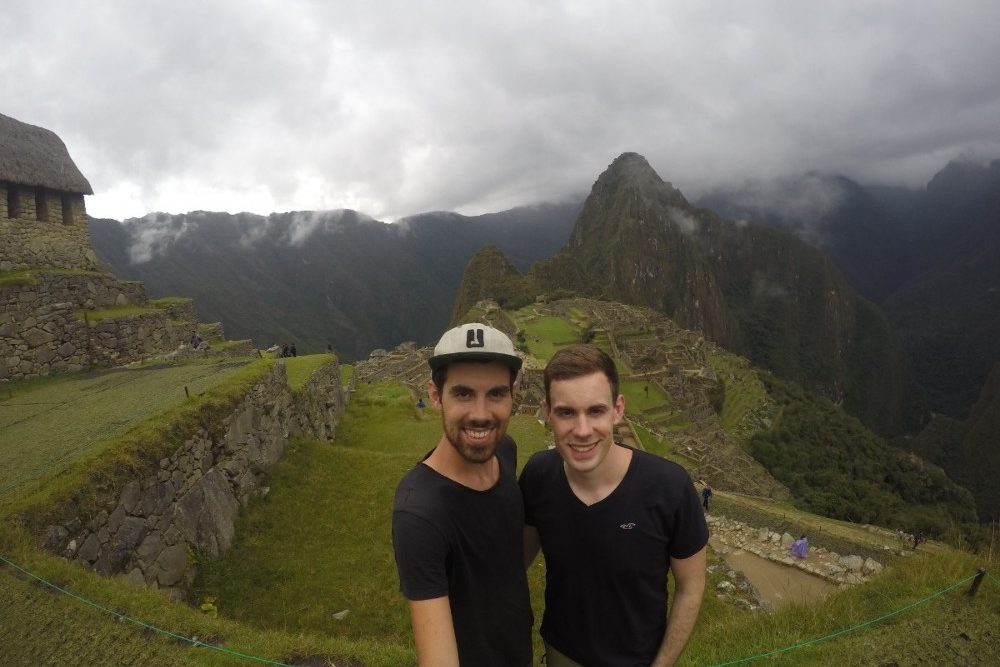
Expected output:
{"points": [[606, 564], [467, 544]]}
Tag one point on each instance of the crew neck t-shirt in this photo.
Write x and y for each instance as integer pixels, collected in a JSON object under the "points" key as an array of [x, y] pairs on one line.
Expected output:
{"points": [[468, 544]]}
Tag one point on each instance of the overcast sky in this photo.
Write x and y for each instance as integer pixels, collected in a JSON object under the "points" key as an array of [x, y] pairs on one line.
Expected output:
{"points": [[394, 108]]}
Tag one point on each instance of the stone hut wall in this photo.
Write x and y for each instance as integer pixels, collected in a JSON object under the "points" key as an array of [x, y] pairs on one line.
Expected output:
{"points": [[57, 241], [189, 503], [40, 333]]}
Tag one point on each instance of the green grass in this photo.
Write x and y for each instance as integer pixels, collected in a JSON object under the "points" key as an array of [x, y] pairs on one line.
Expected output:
{"points": [[309, 570], [641, 396], [51, 423], [167, 301], [927, 634], [91, 474], [221, 345], [23, 277], [744, 390], [39, 626], [343, 558], [28, 276], [113, 313], [545, 335], [300, 369]]}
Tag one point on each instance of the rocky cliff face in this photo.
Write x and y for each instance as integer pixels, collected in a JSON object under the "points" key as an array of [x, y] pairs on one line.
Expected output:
{"points": [[760, 292]]}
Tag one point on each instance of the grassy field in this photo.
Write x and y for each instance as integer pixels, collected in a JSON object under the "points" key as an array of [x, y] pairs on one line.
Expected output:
{"points": [[342, 560], [544, 335], [48, 425], [641, 396], [319, 545]]}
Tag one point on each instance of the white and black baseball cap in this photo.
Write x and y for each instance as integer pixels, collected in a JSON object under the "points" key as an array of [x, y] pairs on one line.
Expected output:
{"points": [[474, 342]]}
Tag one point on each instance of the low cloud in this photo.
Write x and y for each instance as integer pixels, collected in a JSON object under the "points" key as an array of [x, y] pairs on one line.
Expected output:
{"points": [[685, 222], [397, 107], [153, 234]]}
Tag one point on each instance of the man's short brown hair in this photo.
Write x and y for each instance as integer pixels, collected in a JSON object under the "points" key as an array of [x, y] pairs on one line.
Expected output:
{"points": [[579, 360]]}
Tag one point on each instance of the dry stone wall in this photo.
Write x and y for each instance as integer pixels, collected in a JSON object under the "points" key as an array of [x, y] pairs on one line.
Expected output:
{"points": [[318, 404], [189, 503], [26, 243], [40, 333]]}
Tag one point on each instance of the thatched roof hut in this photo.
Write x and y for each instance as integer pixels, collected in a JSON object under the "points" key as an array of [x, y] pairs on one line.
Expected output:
{"points": [[34, 156]]}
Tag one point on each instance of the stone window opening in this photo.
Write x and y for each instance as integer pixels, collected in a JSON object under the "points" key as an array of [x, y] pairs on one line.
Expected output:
{"points": [[13, 202], [67, 210], [41, 205]]}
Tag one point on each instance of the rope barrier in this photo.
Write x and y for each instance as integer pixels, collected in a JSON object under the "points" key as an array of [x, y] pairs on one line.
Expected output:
{"points": [[194, 641], [843, 631]]}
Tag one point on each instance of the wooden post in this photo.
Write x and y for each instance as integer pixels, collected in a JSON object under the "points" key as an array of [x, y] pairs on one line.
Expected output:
{"points": [[978, 580], [186, 392]]}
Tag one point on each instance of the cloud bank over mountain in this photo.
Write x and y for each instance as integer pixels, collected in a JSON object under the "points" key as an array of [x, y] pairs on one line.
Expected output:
{"points": [[396, 107]]}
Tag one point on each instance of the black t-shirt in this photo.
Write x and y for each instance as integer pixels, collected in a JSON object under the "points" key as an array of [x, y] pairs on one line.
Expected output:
{"points": [[606, 564], [467, 544]]}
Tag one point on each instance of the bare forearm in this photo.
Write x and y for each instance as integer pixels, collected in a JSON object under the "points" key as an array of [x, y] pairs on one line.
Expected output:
{"points": [[689, 586], [680, 623]]}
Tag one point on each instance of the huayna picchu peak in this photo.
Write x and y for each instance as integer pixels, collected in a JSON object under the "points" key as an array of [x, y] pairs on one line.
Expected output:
{"points": [[758, 291]]}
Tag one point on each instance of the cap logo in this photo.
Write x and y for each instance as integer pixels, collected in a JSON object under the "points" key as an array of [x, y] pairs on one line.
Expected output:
{"points": [[474, 338]]}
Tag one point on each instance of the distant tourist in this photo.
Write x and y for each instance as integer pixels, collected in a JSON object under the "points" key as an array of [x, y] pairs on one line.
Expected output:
{"points": [[918, 539], [284, 350], [800, 547], [292, 351], [591, 504], [706, 493], [196, 340], [458, 516], [420, 403]]}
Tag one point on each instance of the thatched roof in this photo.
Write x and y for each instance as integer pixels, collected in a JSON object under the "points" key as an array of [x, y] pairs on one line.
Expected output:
{"points": [[31, 155]]}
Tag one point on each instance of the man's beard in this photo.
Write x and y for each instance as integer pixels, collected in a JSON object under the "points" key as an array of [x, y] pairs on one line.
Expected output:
{"points": [[479, 452]]}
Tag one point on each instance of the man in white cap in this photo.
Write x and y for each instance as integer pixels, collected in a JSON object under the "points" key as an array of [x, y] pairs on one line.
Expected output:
{"points": [[458, 516]]}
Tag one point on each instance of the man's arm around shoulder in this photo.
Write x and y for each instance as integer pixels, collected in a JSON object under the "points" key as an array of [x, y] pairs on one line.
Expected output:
{"points": [[434, 632], [689, 586]]}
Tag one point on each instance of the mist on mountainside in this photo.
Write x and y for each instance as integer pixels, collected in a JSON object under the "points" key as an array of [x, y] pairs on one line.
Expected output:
{"points": [[324, 278], [929, 257]]}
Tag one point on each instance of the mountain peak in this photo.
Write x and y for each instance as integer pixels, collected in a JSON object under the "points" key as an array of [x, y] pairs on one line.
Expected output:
{"points": [[632, 170]]}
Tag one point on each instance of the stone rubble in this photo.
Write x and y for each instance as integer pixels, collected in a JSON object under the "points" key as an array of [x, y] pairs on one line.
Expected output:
{"points": [[839, 569]]}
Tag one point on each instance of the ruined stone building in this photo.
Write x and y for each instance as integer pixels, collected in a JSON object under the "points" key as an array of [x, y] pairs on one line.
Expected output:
{"points": [[42, 210], [52, 285]]}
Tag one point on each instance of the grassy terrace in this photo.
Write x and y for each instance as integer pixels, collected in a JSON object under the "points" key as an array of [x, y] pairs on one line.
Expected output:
{"points": [[342, 559], [49, 425], [299, 369], [544, 335], [28, 276], [319, 545]]}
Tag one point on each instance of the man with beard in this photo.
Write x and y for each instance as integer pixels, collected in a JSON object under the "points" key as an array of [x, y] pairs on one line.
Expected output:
{"points": [[458, 516]]}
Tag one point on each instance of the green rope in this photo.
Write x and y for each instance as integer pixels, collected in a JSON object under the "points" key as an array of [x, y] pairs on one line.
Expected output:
{"points": [[810, 642], [194, 641]]}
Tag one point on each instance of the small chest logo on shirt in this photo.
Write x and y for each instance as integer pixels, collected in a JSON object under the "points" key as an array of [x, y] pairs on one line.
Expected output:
{"points": [[628, 526]]}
